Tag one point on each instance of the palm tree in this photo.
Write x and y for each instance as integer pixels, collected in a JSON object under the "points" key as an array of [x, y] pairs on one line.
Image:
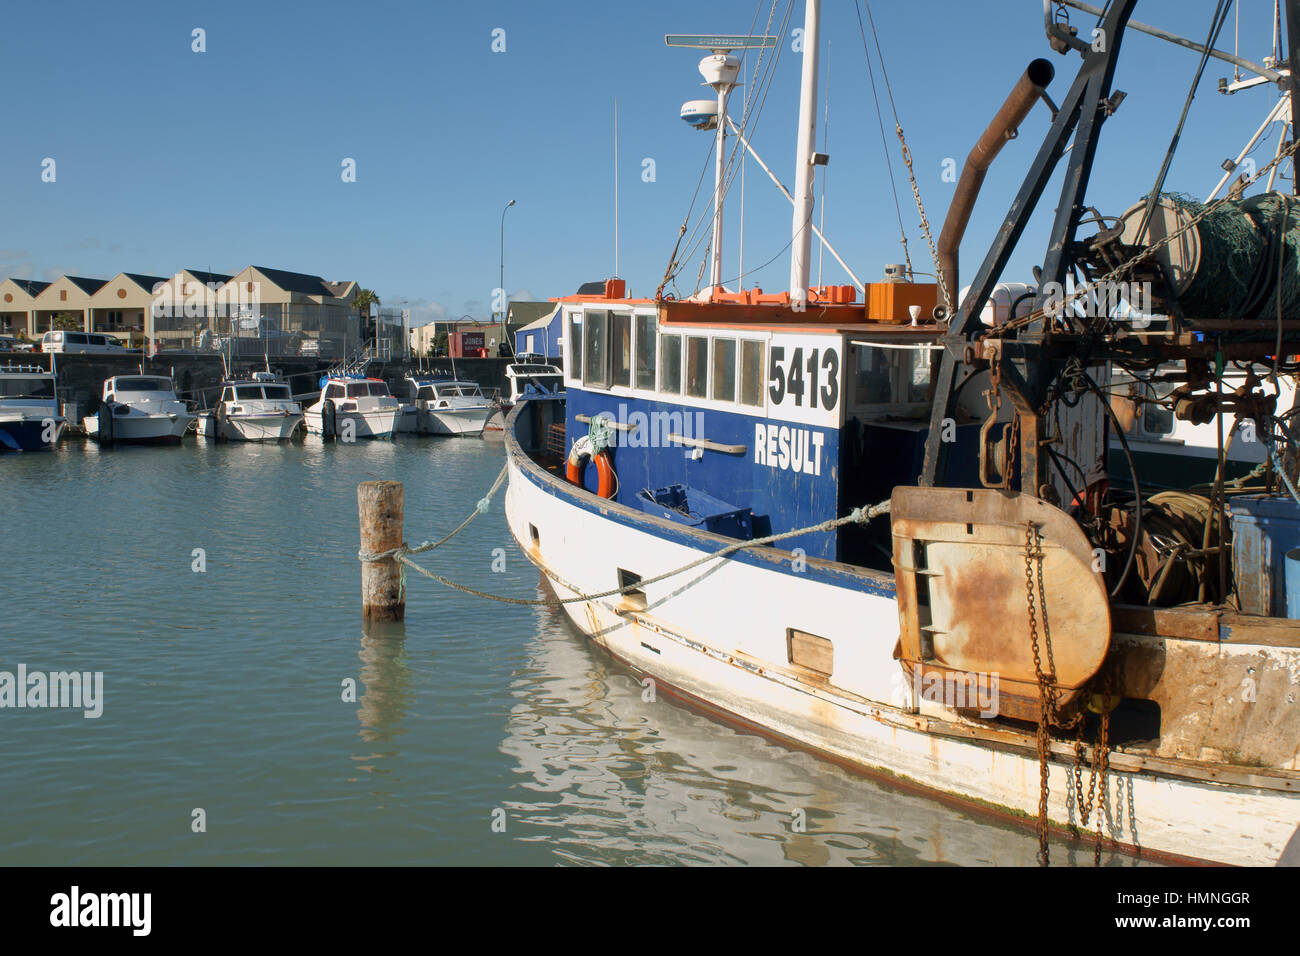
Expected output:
{"points": [[361, 301]]}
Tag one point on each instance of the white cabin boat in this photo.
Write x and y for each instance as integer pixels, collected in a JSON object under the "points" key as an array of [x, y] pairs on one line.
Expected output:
{"points": [[260, 408], [540, 376], [29, 409], [352, 407], [139, 409], [446, 406]]}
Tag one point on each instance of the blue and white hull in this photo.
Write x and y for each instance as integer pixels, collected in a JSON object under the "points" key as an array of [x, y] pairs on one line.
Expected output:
{"points": [[20, 431], [718, 638]]}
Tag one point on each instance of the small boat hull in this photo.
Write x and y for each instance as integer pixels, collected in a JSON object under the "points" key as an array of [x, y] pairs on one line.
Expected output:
{"points": [[30, 433], [455, 421], [137, 429], [258, 428], [377, 423], [408, 420]]}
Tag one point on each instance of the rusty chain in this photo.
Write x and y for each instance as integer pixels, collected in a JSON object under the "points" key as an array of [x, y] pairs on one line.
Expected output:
{"points": [[1049, 712]]}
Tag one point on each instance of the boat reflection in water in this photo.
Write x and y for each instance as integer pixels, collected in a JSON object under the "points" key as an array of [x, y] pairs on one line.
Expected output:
{"points": [[613, 777]]}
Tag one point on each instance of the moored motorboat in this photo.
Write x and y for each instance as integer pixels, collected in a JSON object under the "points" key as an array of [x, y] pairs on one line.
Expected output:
{"points": [[351, 407], [29, 409], [259, 408], [139, 409], [448, 406]]}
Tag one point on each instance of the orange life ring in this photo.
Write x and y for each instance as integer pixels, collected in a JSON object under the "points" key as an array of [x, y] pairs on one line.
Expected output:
{"points": [[604, 467]]}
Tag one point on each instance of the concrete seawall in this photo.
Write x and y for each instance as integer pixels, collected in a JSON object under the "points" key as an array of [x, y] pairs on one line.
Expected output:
{"points": [[198, 375]]}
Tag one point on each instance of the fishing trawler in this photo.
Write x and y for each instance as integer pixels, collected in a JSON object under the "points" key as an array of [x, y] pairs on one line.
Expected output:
{"points": [[884, 531]]}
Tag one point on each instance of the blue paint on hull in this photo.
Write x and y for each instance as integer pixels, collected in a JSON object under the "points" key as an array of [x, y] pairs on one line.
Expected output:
{"points": [[23, 436], [789, 482], [833, 573]]}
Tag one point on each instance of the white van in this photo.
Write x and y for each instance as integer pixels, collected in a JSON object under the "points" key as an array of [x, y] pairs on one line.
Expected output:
{"points": [[60, 341]]}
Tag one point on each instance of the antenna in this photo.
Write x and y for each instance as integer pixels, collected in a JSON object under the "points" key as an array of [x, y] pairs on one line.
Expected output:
{"points": [[720, 70], [616, 187]]}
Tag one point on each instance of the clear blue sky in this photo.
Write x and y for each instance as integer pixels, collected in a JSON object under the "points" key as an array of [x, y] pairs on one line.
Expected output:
{"points": [[167, 158]]}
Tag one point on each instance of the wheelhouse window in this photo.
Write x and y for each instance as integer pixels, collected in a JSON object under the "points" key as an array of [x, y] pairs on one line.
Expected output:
{"points": [[277, 392], [751, 372], [334, 391], [620, 348], [645, 351], [670, 364], [144, 385], [697, 366], [724, 370], [379, 389], [595, 349], [895, 377], [357, 390], [573, 361], [27, 388], [248, 393]]}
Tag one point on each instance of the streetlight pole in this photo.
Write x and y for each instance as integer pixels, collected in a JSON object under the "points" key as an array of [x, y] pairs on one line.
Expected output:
{"points": [[502, 286]]}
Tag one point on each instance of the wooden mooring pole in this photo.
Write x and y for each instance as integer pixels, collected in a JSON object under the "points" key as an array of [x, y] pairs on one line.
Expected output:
{"points": [[379, 506]]}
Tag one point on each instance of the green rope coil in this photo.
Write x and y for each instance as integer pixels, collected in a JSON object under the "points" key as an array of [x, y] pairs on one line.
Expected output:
{"points": [[1242, 273], [599, 433]]}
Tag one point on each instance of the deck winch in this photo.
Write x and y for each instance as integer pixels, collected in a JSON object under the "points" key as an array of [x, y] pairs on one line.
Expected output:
{"points": [[1237, 260]]}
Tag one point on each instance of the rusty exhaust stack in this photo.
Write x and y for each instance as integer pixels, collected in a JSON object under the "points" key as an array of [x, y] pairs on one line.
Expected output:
{"points": [[1004, 127]]}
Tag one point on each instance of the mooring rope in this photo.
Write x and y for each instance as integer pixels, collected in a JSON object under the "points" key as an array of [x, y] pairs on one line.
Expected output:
{"points": [[403, 554], [401, 550]]}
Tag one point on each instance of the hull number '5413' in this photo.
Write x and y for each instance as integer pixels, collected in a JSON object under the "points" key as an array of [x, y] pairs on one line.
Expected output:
{"points": [[812, 373]]}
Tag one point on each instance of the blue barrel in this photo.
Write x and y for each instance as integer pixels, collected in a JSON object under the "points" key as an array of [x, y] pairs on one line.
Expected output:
{"points": [[1293, 583], [1265, 530]]}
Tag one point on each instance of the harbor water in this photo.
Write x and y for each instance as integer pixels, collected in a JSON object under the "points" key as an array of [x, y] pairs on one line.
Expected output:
{"points": [[216, 587]]}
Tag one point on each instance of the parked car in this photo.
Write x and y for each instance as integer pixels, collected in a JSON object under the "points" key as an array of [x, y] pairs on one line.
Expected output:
{"points": [[61, 341]]}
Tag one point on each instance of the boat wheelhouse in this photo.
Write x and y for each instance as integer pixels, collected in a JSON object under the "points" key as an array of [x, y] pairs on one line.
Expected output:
{"points": [[351, 407], [139, 409], [29, 409], [449, 406], [259, 408]]}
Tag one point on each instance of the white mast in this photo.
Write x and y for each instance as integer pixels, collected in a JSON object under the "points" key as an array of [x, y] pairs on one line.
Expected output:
{"points": [[719, 71], [801, 245]]}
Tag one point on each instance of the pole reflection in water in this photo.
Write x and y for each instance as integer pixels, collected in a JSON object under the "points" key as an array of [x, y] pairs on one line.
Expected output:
{"points": [[385, 680]]}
